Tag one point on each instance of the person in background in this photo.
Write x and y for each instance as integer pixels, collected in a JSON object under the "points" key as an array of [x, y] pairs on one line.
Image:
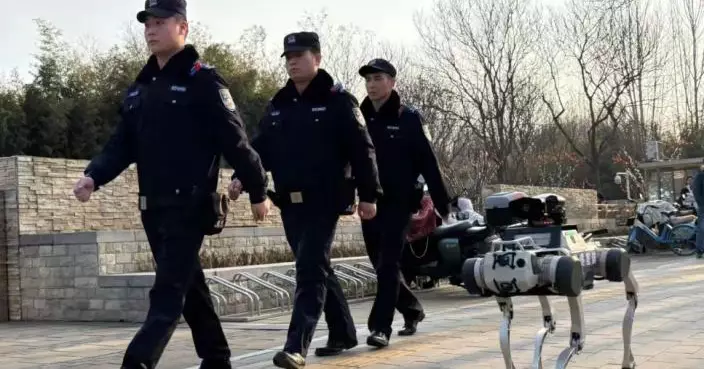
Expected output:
{"points": [[178, 118], [404, 153], [311, 137], [686, 198], [698, 193]]}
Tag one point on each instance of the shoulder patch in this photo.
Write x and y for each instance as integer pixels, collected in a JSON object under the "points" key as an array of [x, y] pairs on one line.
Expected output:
{"points": [[226, 99], [338, 88], [199, 65], [426, 132]]}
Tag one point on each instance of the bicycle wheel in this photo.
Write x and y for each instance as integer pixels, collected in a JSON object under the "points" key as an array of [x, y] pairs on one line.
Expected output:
{"points": [[682, 239]]}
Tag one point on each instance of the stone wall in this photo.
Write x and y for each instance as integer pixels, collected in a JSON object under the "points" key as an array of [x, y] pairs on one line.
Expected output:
{"points": [[581, 203], [46, 202], [67, 277], [54, 269], [128, 251], [9, 241]]}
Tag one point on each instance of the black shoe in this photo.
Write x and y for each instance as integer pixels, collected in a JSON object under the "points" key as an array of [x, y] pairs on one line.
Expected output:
{"points": [[411, 326], [286, 360], [378, 340], [215, 364], [333, 348]]}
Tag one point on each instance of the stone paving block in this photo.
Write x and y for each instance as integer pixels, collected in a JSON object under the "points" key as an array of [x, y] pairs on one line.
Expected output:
{"points": [[460, 332]]}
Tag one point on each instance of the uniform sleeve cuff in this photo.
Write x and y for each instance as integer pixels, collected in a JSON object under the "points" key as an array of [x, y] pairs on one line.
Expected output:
{"points": [[257, 197], [96, 179], [368, 197]]}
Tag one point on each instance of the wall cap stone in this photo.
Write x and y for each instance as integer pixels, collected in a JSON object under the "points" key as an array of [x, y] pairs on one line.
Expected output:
{"points": [[58, 238], [92, 237]]}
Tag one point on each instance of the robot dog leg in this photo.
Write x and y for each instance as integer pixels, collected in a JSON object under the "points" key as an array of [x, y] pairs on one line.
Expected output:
{"points": [[576, 333], [520, 268], [615, 266], [506, 306], [542, 335]]}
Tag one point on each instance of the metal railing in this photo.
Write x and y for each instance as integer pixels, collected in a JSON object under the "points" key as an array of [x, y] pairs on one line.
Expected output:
{"points": [[369, 279], [253, 298], [366, 266], [283, 298], [357, 282], [220, 302], [282, 279]]}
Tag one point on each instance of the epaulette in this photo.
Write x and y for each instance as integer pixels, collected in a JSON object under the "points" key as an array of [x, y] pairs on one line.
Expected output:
{"points": [[199, 65], [412, 109], [338, 88]]}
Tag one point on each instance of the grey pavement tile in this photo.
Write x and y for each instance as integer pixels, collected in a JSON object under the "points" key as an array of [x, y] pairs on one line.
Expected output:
{"points": [[460, 332]]}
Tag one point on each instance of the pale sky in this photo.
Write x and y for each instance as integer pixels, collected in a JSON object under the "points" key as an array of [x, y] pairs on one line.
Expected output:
{"points": [[105, 20]]}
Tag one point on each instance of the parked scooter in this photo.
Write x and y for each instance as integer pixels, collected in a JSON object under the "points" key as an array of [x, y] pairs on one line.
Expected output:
{"points": [[436, 250], [660, 223], [509, 215]]}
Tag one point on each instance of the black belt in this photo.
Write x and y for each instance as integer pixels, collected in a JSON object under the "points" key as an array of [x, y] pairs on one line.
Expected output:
{"points": [[287, 198], [165, 201]]}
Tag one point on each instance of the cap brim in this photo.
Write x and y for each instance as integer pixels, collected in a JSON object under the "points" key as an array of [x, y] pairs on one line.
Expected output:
{"points": [[154, 12], [369, 69], [294, 49]]}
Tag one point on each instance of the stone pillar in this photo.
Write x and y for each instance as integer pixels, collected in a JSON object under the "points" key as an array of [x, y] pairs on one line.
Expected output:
{"points": [[11, 245]]}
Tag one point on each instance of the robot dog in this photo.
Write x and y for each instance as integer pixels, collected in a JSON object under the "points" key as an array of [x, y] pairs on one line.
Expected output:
{"points": [[562, 267]]}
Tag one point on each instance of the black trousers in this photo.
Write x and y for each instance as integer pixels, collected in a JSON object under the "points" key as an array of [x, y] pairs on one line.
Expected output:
{"points": [[175, 238], [310, 233], [384, 238]]}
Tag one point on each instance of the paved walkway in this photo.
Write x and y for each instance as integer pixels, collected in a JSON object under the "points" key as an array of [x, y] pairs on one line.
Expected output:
{"points": [[459, 332]]}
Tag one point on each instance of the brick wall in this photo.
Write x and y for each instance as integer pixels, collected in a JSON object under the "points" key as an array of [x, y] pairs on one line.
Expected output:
{"points": [[37, 198], [128, 251], [9, 241], [46, 201], [60, 281], [64, 277]]}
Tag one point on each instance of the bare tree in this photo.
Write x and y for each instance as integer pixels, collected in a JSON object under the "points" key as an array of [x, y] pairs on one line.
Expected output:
{"points": [[252, 46], [464, 162], [590, 37], [641, 44], [483, 51], [687, 24]]}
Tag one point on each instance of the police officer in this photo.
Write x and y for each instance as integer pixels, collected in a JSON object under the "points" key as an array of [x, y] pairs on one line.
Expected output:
{"points": [[311, 131], [177, 119], [403, 154]]}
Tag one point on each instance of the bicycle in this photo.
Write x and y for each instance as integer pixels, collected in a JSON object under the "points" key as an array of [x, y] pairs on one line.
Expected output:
{"points": [[679, 237]]}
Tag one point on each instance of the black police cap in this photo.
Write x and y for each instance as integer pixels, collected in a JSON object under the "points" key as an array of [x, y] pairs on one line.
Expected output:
{"points": [[301, 41], [376, 66], [162, 9]]}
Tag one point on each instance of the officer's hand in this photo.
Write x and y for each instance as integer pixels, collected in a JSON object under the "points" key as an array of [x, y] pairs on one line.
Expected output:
{"points": [[366, 210], [260, 210], [235, 189], [84, 188]]}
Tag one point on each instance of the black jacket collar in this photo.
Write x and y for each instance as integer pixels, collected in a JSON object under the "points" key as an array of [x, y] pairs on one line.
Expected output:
{"points": [[390, 109], [318, 89], [179, 65]]}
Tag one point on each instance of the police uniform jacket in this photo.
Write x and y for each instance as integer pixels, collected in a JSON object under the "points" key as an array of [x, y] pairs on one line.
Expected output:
{"points": [[403, 153], [307, 141], [174, 122]]}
